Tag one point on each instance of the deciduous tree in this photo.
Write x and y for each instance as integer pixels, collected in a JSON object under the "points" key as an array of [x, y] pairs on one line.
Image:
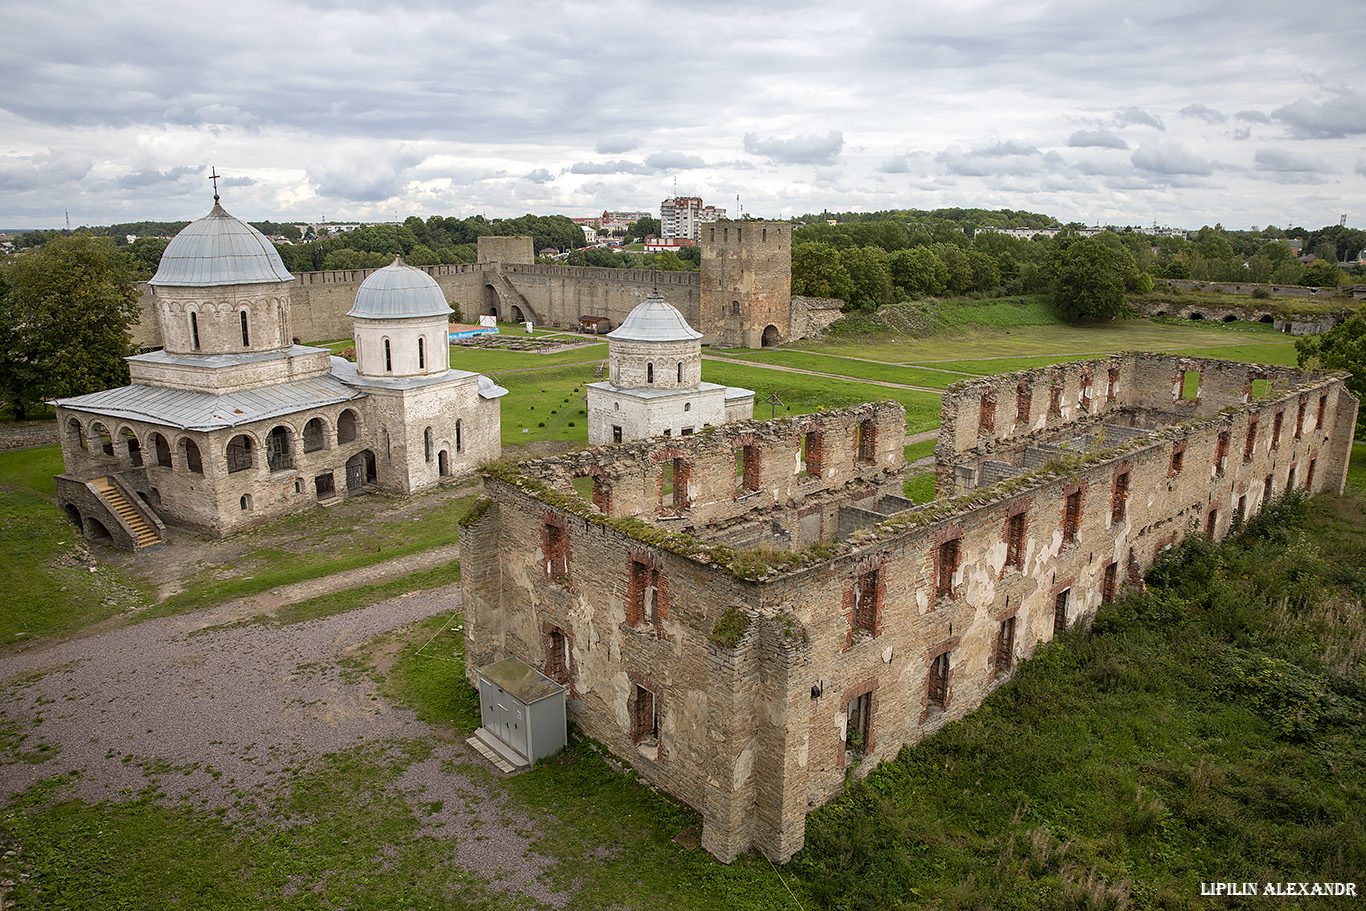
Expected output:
{"points": [[1341, 348]]}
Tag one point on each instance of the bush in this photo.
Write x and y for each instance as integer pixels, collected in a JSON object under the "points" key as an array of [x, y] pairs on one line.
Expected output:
{"points": [[1261, 293]]}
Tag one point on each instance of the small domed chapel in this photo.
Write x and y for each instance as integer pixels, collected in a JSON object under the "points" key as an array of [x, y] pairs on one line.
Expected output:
{"points": [[234, 423]]}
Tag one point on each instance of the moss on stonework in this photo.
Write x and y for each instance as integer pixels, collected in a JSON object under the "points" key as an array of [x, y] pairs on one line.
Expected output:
{"points": [[478, 509], [731, 628]]}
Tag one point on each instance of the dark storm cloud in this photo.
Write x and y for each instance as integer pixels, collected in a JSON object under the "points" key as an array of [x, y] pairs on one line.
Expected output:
{"points": [[802, 149], [1207, 114], [1100, 139]]}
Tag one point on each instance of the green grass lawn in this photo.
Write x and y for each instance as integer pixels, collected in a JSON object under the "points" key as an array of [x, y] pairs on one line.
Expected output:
{"points": [[553, 398], [845, 365]]}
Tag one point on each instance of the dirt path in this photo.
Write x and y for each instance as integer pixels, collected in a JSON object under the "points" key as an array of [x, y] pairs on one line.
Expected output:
{"points": [[832, 376], [247, 701]]}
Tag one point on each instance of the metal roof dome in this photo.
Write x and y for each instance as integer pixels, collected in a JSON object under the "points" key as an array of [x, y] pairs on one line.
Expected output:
{"points": [[219, 250], [654, 321], [398, 291]]}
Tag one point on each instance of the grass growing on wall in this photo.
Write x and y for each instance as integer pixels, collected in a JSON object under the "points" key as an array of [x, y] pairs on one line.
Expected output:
{"points": [[1212, 729]]}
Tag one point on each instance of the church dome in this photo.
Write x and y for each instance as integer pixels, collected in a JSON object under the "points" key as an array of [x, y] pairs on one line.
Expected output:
{"points": [[654, 321], [398, 291], [219, 250]]}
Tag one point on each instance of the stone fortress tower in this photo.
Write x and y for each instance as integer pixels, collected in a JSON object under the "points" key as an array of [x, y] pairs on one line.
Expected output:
{"points": [[746, 294], [231, 423], [654, 385]]}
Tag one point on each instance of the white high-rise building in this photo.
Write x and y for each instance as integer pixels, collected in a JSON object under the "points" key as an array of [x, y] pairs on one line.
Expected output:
{"points": [[683, 216]]}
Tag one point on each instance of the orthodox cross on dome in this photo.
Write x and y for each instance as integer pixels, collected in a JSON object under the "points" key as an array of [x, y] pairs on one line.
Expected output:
{"points": [[213, 175]]}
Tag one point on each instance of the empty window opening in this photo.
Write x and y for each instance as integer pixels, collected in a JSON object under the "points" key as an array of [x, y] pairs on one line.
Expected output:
{"points": [[858, 727], [643, 598], [1071, 517], [986, 414], [557, 656], [325, 486], [1178, 457], [245, 502], [1112, 385], [246, 333], [644, 718], [315, 435], [734, 308], [1309, 476], [1259, 388], [866, 440], [1241, 515], [1015, 541], [1107, 587], [687, 406], [421, 354], [443, 463], [1299, 418], [278, 455], [75, 434], [555, 547], [162, 450], [106, 441], [1190, 385], [346, 426], [746, 469], [680, 373], [239, 454], [866, 603], [1318, 415], [1250, 444], [194, 331], [674, 477], [1117, 506], [1211, 523], [134, 448], [811, 453], [1221, 453], [1060, 610], [616, 433], [939, 681], [948, 567], [1055, 400], [1005, 645], [1276, 423], [1024, 396], [459, 436], [195, 465], [427, 444], [1267, 491], [649, 373], [1290, 478]]}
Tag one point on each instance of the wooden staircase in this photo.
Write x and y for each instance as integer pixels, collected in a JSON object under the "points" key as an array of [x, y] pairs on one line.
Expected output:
{"points": [[143, 532]]}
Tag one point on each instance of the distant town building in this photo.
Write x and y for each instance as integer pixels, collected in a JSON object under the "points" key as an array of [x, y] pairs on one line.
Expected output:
{"points": [[683, 216], [611, 221]]}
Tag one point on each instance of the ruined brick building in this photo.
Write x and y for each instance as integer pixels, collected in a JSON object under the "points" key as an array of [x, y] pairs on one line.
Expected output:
{"points": [[749, 614], [233, 422]]}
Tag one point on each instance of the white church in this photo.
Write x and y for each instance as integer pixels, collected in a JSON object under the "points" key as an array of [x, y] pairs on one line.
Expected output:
{"points": [[233, 423], [654, 381]]}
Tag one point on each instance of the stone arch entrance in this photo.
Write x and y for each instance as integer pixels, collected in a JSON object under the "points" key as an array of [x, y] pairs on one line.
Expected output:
{"points": [[517, 316], [74, 515], [771, 337], [443, 463], [360, 470]]}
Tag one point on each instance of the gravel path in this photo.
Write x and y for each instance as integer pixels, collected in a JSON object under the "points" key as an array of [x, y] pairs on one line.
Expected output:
{"points": [[249, 701]]}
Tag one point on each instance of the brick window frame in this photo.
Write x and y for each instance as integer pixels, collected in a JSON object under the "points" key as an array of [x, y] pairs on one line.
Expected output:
{"points": [[1309, 472], [864, 598], [1015, 535], [1221, 452], [1119, 492], [937, 694], [647, 592], [602, 490], [1250, 444], [1111, 384], [645, 705], [986, 414], [748, 457], [946, 556], [1178, 458], [1277, 423], [865, 441], [1055, 398], [1268, 490], [1062, 600], [1003, 651], [1322, 410], [1072, 505], [682, 476], [1179, 385], [1109, 583], [558, 648], [812, 451], [866, 688], [1024, 398], [555, 549], [1212, 522], [1085, 393], [1299, 416]]}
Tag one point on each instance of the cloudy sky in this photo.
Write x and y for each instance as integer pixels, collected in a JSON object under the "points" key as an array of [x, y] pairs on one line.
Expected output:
{"points": [[1181, 112]]}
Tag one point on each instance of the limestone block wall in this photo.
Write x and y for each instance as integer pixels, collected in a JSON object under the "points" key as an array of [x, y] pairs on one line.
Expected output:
{"points": [[437, 430], [506, 250], [211, 320], [679, 413], [746, 297]]}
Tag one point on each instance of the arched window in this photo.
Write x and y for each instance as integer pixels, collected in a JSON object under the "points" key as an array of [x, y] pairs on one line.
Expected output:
{"points": [[195, 465], [421, 354], [735, 308], [162, 450], [427, 443], [99, 432], [680, 372], [246, 332], [649, 373], [278, 454], [194, 330], [346, 426], [245, 502], [240, 456], [388, 358], [315, 435], [75, 434]]}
